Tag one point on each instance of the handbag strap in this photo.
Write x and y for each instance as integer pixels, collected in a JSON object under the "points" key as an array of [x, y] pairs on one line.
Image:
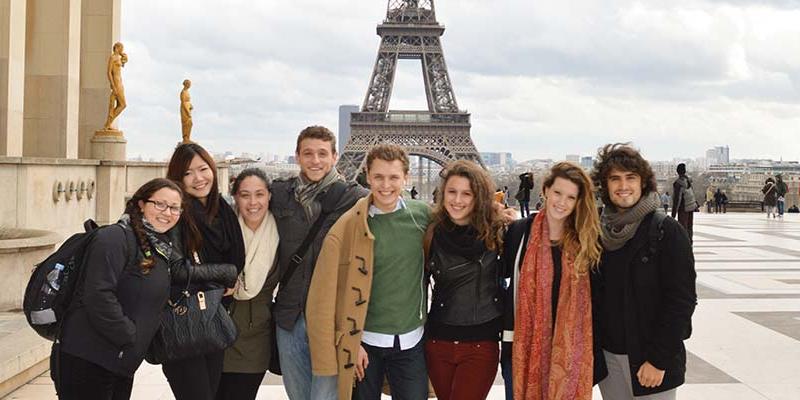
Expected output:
{"points": [[328, 206]]}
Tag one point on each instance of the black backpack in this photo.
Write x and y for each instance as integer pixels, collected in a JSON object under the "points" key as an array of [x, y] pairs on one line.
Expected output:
{"points": [[45, 307], [654, 236]]}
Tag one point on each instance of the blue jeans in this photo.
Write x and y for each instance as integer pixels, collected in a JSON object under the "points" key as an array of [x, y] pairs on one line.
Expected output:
{"points": [[505, 365], [295, 358], [405, 370], [781, 206]]}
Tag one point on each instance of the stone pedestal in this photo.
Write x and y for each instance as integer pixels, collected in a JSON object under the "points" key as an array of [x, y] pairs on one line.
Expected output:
{"points": [[109, 144]]}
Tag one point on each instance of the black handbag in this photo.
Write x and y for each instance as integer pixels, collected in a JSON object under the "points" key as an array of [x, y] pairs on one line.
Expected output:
{"points": [[193, 325]]}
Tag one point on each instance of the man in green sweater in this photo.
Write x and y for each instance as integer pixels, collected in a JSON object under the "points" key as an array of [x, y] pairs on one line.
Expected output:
{"points": [[368, 299]]}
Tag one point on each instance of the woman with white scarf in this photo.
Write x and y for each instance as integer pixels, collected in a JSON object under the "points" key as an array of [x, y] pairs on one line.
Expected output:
{"points": [[247, 361]]}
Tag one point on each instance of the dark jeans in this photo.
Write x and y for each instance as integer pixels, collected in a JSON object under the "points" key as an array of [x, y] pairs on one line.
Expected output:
{"points": [[239, 386], [524, 208], [195, 378], [686, 219], [79, 379], [405, 370], [508, 382]]}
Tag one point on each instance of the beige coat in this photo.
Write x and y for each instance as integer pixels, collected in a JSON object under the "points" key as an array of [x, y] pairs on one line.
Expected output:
{"points": [[339, 295]]}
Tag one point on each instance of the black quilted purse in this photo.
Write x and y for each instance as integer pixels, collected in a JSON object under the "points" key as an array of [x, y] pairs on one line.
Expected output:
{"points": [[193, 325]]}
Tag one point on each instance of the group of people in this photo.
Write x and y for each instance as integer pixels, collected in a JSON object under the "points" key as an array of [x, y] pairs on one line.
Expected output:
{"points": [[716, 201], [560, 300], [775, 196]]}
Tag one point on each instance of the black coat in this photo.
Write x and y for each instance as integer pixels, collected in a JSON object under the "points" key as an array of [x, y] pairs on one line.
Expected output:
{"points": [[117, 310], [659, 299]]}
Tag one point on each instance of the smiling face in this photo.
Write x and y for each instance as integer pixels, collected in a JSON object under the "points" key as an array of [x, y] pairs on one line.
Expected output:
{"points": [[316, 158], [561, 197], [459, 200], [386, 180], [197, 180], [162, 221], [252, 200], [624, 188]]}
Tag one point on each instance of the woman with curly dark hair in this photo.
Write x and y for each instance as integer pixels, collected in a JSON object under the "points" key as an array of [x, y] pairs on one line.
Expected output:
{"points": [[125, 288], [466, 315]]}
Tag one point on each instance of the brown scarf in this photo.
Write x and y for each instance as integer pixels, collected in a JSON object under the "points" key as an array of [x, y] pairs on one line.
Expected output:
{"points": [[552, 363]]}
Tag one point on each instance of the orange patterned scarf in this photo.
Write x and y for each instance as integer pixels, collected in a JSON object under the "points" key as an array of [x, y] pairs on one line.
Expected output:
{"points": [[551, 364]]}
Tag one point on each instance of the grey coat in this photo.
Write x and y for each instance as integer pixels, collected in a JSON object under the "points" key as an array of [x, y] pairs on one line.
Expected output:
{"points": [[293, 226]]}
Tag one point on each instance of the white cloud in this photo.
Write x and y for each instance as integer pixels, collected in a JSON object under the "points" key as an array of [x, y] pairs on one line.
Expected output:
{"points": [[541, 78]]}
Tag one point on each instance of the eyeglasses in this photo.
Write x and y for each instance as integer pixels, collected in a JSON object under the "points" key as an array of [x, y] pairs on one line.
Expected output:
{"points": [[161, 206]]}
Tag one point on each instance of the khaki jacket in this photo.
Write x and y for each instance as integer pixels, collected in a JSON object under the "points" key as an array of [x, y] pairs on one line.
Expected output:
{"points": [[339, 296]]}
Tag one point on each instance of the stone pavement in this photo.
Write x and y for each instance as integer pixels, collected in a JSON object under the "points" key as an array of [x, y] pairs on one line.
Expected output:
{"points": [[746, 339]]}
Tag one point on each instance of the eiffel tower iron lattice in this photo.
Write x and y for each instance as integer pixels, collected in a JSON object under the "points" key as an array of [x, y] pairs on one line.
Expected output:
{"points": [[442, 133]]}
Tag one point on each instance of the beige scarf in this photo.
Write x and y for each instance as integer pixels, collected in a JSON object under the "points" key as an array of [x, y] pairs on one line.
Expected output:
{"points": [[260, 247]]}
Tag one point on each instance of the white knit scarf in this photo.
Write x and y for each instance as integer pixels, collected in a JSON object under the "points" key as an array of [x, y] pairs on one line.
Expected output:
{"points": [[260, 247]]}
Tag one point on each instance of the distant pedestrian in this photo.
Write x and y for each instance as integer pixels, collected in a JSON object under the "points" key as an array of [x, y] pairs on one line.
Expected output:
{"points": [[770, 197], [781, 189], [709, 199], [724, 203], [505, 196], [718, 201], [524, 193], [665, 200], [683, 204], [414, 193]]}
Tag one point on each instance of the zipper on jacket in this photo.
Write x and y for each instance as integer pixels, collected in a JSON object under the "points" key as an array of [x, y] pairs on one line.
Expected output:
{"points": [[119, 356], [478, 289]]}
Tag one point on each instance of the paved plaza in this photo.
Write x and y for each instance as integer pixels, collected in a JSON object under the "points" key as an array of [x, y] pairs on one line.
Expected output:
{"points": [[746, 340]]}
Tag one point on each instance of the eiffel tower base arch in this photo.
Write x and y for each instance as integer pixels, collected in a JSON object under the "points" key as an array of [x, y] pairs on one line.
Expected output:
{"points": [[437, 137]]}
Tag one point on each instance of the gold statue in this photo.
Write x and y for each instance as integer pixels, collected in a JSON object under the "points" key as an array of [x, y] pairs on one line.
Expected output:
{"points": [[186, 111], [116, 101]]}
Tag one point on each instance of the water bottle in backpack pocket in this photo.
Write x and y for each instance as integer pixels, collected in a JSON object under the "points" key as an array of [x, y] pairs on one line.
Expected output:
{"points": [[53, 282], [43, 313]]}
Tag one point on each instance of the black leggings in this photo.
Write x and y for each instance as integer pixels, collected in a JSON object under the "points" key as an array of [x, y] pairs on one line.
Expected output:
{"points": [[195, 378], [239, 386], [79, 379]]}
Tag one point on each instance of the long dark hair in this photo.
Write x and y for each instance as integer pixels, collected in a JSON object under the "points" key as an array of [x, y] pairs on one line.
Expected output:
{"points": [[135, 213], [178, 165], [484, 218]]}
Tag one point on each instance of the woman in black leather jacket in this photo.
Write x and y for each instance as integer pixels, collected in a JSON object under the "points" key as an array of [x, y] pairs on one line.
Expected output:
{"points": [[210, 234], [125, 287], [465, 320]]}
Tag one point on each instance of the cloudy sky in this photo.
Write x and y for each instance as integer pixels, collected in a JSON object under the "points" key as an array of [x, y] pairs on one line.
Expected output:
{"points": [[542, 78]]}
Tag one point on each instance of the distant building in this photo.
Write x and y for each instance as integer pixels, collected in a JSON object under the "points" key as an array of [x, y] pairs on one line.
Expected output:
{"points": [[718, 155], [344, 124], [502, 160], [587, 162], [576, 158]]}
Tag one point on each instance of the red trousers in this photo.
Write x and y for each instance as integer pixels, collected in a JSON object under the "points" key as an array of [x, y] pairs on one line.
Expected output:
{"points": [[462, 370]]}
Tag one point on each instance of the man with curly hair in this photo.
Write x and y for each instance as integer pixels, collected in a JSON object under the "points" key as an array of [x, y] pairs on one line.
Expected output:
{"points": [[643, 292]]}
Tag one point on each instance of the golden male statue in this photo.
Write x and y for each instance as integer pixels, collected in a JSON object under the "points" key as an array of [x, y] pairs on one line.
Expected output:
{"points": [[116, 101], [186, 112]]}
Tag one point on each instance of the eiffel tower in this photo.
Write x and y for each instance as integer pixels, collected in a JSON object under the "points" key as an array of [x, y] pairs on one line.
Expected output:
{"points": [[441, 133]]}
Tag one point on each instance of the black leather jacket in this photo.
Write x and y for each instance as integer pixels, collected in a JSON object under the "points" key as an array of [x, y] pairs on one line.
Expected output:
{"points": [[466, 291]]}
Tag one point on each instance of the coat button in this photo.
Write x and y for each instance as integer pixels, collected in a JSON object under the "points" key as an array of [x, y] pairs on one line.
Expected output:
{"points": [[645, 259]]}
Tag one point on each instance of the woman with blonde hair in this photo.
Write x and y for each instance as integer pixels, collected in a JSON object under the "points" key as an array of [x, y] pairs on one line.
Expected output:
{"points": [[550, 255], [466, 316]]}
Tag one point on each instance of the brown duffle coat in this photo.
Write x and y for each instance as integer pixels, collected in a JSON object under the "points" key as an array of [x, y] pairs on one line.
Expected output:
{"points": [[339, 296]]}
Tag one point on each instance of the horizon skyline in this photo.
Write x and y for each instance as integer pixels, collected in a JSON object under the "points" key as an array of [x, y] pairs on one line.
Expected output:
{"points": [[537, 77]]}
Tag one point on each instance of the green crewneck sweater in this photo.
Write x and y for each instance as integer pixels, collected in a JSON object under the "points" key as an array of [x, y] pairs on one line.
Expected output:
{"points": [[398, 300]]}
